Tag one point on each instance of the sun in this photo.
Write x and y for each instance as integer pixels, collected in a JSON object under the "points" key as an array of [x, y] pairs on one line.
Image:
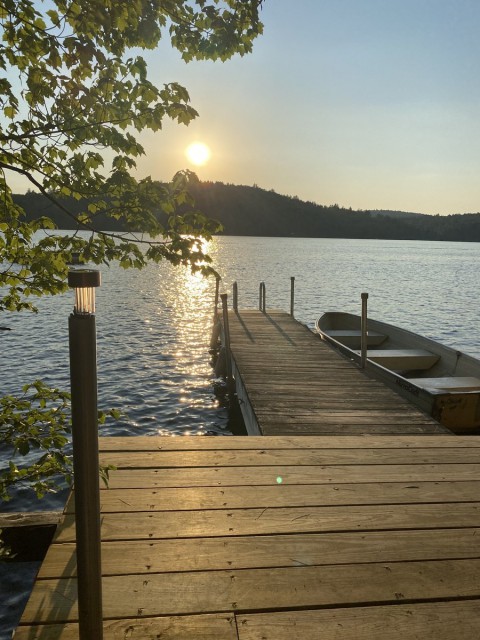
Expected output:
{"points": [[198, 153]]}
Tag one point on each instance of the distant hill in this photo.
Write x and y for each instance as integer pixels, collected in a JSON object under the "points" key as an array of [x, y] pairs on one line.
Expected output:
{"points": [[37, 205], [252, 211], [248, 211]]}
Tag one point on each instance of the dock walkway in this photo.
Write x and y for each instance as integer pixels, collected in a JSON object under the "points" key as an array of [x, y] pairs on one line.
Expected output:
{"points": [[289, 382], [280, 538], [367, 531]]}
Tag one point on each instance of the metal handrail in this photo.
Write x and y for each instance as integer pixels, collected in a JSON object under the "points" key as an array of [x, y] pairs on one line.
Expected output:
{"points": [[235, 296], [226, 336], [364, 332], [292, 294]]}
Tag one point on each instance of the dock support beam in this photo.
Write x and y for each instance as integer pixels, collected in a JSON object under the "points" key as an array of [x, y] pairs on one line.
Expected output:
{"points": [[364, 332]]}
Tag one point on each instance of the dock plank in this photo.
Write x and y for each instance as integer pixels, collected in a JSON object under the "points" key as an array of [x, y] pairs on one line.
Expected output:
{"points": [[279, 588], [306, 428], [265, 457], [249, 552], [237, 522], [285, 474], [30, 519], [194, 498], [439, 621], [228, 443], [207, 627]]}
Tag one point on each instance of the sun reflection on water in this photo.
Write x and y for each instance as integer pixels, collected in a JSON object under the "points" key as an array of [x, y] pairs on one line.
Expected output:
{"points": [[185, 308]]}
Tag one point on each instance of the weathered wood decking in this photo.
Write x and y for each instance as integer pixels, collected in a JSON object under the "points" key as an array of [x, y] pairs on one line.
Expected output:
{"points": [[290, 382], [298, 538]]}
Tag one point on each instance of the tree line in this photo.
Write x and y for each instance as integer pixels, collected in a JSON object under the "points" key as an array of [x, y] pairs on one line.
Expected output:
{"points": [[252, 211]]}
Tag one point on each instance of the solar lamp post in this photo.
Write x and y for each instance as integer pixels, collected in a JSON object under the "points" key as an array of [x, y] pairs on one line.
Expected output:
{"points": [[83, 381]]}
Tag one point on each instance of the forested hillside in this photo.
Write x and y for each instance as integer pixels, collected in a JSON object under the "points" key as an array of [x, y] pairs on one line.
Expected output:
{"points": [[251, 211]]}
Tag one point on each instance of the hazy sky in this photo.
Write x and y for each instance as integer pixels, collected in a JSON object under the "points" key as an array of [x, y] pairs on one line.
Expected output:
{"points": [[364, 103]]}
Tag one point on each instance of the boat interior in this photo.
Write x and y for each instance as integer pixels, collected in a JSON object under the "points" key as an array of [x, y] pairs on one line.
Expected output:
{"points": [[424, 362]]}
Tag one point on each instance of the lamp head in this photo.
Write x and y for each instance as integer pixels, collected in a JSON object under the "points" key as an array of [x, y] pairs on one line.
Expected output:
{"points": [[84, 282]]}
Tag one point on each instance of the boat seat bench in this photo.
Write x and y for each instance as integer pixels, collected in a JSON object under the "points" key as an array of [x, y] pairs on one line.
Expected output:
{"points": [[451, 383], [403, 359], [351, 337]]}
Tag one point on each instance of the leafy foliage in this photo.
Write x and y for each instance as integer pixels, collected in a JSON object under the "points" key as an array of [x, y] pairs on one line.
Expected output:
{"points": [[74, 93], [36, 425], [36, 422]]}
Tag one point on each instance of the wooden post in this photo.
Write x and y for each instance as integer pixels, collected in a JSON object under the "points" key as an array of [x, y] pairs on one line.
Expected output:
{"points": [[83, 375], [292, 294], [235, 296], [363, 341], [226, 334], [262, 297]]}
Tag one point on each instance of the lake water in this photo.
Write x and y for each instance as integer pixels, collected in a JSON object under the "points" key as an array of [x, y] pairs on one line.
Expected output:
{"points": [[154, 328]]}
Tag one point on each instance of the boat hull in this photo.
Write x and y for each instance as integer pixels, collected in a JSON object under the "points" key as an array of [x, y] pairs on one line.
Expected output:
{"points": [[445, 383]]}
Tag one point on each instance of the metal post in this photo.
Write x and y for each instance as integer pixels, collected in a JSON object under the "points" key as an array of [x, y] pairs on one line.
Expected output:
{"points": [[216, 321], [363, 341], [217, 290], [262, 297], [292, 294], [83, 377], [235, 296], [226, 334]]}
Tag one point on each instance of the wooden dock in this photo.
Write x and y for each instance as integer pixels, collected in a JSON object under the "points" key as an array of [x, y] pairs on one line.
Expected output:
{"points": [[358, 518], [279, 538], [290, 382]]}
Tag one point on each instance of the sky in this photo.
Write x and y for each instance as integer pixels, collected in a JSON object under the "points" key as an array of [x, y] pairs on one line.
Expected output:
{"points": [[371, 104]]}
